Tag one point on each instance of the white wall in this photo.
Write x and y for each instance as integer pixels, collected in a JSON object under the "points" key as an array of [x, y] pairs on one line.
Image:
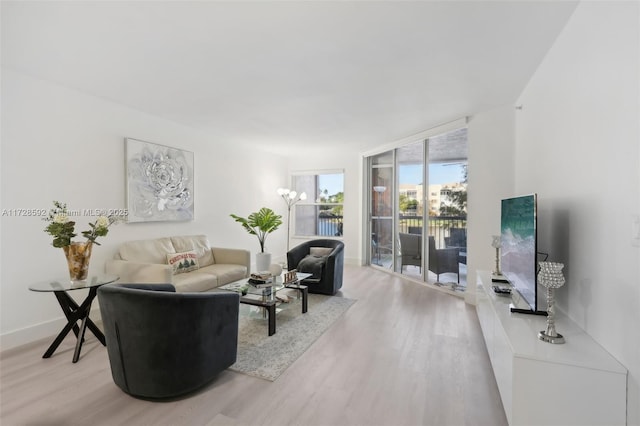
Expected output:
{"points": [[578, 148], [491, 168], [59, 144]]}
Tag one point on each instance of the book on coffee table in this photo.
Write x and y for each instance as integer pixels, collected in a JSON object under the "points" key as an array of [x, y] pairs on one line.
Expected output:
{"points": [[260, 283]]}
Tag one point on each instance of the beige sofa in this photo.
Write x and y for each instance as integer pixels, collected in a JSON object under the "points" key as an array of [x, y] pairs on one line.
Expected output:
{"points": [[145, 261]]}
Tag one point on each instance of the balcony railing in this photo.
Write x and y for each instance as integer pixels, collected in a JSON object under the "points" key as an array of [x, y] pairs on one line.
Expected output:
{"points": [[439, 227], [329, 226]]}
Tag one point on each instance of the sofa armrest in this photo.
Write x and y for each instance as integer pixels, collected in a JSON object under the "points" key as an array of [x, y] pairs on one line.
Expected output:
{"points": [[138, 272], [232, 257]]}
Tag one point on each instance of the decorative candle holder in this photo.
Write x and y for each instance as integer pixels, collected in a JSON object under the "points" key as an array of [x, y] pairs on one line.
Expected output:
{"points": [[496, 275], [496, 243], [551, 277]]}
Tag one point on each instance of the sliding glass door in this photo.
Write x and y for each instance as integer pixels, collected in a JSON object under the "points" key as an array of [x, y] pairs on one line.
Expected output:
{"points": [[381, 209], [410, 177], [446, 235], [417, 214]]}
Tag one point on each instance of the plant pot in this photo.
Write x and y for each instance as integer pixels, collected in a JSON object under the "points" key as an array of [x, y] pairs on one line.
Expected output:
{"points": [[78, 257], [263, 260]]}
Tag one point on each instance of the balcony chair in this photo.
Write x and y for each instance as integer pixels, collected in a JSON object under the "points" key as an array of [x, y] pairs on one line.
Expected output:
{"points": [[410, 250], [163, 344], [324, 259], [443, 260], [458, 239], [415, 230]]}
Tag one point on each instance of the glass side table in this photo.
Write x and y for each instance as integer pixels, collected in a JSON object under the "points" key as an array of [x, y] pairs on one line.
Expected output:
{"points": [[72, 310]]}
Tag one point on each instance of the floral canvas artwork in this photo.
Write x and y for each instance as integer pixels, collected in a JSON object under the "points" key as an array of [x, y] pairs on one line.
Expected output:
{"points": [[159, 182]]}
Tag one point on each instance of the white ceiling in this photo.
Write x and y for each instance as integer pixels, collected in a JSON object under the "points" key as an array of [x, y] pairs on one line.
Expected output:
{"points": [[289, 75]]}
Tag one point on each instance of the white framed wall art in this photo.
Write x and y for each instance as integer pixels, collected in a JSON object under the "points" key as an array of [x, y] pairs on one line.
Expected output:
{"points": [[159, 182]]}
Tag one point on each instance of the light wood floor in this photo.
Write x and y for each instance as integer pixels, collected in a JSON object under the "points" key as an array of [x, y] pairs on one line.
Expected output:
{"points": [[404, 354]]}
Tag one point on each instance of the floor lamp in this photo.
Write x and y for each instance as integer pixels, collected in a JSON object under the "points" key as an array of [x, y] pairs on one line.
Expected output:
{"points": [[291, 198]]}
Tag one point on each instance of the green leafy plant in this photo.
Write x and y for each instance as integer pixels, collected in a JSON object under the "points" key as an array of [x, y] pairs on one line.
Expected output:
{"points": [[260, 224], [62, 228]]}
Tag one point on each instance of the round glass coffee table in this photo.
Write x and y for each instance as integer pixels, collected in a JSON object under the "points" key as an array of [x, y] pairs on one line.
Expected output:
{"points": [[74, 312]]}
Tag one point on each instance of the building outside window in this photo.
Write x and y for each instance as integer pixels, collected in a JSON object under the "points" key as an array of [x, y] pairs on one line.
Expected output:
{"points": [[322, 212]]}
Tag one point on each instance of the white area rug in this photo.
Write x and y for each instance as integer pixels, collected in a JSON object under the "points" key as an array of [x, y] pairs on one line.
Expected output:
{"points": [[266, 356]]}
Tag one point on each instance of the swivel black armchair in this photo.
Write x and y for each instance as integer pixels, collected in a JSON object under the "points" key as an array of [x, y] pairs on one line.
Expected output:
{"points": [[326, 265], [163, 344]]}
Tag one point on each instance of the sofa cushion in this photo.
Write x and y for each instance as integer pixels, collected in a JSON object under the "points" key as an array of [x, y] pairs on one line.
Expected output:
{"points": [[183, 262], [199, 280], [147, 251], [197, 243], [226, 273]]}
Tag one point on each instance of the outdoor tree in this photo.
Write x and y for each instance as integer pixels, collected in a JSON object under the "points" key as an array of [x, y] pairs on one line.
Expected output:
{"points": [[407, 203], [337, 198], [456, 204]]}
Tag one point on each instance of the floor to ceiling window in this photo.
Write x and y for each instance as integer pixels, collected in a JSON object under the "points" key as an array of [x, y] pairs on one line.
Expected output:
{"points": [[447, 213], [417, 214], [381, 208], [410, 176]]}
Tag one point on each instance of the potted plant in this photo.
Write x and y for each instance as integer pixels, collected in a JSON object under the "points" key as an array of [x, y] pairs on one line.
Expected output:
{"points": [[62, 229], [261, 224]]}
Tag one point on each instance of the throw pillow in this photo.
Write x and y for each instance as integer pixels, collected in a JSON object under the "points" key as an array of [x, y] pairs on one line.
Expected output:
{"points": [[320, 251], [313, 265], [183, 262]]}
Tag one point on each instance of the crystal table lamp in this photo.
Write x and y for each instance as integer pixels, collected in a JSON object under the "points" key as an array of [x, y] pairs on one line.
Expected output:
{"points": [[496, 275], [496, 243], [550, 276]]}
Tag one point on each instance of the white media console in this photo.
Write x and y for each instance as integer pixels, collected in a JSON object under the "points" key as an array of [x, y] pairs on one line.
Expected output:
{"points": [[575, 383]]}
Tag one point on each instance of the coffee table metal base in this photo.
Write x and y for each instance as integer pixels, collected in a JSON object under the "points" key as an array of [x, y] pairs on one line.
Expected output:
{"points": [[304, 291], [270, 305]]}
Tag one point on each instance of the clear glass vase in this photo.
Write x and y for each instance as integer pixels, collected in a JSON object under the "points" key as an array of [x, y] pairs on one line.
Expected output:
{"points": [[78, 257]]}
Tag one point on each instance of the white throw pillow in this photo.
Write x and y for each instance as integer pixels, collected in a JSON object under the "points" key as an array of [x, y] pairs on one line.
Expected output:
{"points": [[320, 251], [183, 262]]}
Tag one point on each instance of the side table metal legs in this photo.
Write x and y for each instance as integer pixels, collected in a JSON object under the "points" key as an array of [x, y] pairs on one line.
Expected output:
{"points": [[73, 312]]}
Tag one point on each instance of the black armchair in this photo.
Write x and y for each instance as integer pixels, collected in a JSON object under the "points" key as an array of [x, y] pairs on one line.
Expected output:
{"points": [[458, 239], [163, 344], [443, 260], [326, 268], [410, 250]]}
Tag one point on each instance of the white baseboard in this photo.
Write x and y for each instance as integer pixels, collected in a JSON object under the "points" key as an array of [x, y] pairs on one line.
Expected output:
{"points": [[40, 331]]}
